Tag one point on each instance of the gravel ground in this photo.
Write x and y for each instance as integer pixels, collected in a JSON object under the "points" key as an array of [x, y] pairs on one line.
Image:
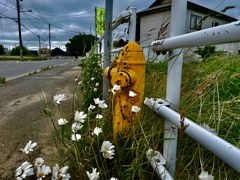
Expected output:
{"points": [[22, 118]]}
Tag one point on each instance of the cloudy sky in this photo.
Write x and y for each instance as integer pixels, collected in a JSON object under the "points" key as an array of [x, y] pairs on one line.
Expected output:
{"points": [[67, 18]]}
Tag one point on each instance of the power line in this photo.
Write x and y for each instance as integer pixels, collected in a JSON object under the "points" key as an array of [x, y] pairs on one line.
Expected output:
{"points": [[7, 6], [51, 24], [15, 19]]}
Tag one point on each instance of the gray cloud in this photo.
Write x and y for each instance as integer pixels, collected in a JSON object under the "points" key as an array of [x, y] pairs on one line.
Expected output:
{"points": [[68, 18]]}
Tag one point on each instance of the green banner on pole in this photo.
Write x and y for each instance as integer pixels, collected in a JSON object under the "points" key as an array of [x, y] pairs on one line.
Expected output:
{"points": [[100, 20]]}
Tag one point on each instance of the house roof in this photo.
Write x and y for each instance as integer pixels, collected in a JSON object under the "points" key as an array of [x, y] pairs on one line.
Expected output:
{"points": [[159, 2], [163, 5]]}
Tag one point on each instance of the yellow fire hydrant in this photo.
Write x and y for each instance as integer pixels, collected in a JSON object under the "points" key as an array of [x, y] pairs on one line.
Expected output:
{"points": [[128, 72]]}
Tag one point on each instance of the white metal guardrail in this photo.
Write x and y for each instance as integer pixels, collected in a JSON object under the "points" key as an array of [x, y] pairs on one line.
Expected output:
{"points": [[218, 146], [227, 33]]}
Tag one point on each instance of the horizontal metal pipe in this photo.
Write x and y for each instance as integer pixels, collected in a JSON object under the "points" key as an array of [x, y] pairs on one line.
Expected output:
{"points": [[218, 146], [120, 19], [227, 33]]}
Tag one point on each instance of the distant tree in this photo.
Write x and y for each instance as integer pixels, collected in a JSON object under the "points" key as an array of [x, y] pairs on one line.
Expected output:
{"points": [[80, 44], [1, 50], [16, 51]]}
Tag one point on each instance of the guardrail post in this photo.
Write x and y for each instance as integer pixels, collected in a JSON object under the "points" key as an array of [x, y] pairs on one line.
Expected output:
{"points": [[177, 27], [132, 24]]}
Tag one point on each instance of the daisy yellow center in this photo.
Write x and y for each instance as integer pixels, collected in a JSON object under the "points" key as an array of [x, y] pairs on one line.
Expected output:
{"points": [[106, 155], [41, 174], [105, 148]]}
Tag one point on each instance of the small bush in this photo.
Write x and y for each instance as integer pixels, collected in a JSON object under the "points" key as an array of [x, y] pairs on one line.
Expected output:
{"points": [[46, 68], [206, 51], [31, 73], [2, 79]]}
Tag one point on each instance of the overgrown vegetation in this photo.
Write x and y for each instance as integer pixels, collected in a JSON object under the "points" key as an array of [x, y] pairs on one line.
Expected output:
{"points": [[91, 79], [210, 95]]}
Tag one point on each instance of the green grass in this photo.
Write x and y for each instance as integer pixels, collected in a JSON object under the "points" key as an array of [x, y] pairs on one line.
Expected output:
{"points": [[210, 94], [25, 58]]}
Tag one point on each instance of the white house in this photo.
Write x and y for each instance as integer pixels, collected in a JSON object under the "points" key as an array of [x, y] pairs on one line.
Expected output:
{"points": [[154, 23]]}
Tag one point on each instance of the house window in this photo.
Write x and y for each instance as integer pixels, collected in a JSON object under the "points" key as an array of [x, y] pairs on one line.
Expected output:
{"points": [[194, 23], [214, 24]]}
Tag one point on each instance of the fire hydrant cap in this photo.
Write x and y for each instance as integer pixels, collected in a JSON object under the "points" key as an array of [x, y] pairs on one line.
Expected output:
{"points": [[133, 47], [121, 78]]}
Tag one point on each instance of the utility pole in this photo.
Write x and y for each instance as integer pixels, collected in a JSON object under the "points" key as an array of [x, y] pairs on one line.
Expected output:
{"points": [[19, 30], [91, 36], [39, 45], [107, 44], [49, 27]]}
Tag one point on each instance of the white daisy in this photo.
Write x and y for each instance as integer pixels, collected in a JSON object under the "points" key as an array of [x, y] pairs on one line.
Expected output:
{"points": [[94, 175], [96, 100], [80, 82], [76, 126], [62, 121], [205, 176], [91, 107], [96, 131], [99, 116], [58, 98], [75, 137], [113, 178], [29, 147], [60, 173], [24, 170], [107, 149], [42, 171], [80, 116], [115, 88], [102, 104], [39, 161]]}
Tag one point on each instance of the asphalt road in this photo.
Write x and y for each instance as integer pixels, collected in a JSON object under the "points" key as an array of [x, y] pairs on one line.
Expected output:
{"points": [[13, 69], [22, 118]]}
